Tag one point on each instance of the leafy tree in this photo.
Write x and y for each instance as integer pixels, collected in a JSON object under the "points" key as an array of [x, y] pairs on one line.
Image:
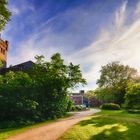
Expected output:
{"points": [[53, 79], [106, 94], [92, 99], [132, 97], [4, 14], [114, 78], [16, 102], [40, 94]]}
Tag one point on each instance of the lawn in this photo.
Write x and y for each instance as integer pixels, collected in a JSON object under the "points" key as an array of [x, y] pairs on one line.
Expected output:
{"points": [[106, 125]]}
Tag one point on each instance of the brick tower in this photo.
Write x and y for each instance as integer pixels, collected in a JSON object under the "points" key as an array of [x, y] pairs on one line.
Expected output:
{"points": [[3, 51]]}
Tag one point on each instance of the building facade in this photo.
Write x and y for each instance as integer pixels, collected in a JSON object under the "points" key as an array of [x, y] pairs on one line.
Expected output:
{"points": [[77, 98], [3, 52]]}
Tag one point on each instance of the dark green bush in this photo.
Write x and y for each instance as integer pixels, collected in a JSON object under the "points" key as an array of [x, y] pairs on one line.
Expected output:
{"points": [[110, 106], [38, 94]]}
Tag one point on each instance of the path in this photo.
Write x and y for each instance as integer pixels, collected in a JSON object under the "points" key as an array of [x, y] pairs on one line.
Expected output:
{"points": [[54, 130]]}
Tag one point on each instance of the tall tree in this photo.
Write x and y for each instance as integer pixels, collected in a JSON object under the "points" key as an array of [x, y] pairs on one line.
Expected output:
{"points": [[114, 77], [53, 79], [4, 14]]}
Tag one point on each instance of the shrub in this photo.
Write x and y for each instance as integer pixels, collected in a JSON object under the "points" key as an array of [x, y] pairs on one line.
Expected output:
{"points": [[70, 105], [110, 106], [132, 98], [78, 108]]}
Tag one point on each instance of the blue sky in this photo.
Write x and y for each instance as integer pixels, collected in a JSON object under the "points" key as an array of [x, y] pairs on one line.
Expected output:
{"points": [[87, 32]]}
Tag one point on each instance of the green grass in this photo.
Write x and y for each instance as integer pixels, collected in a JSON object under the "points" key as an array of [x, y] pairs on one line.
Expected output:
{"points": [[7, 132], [106, 125]]}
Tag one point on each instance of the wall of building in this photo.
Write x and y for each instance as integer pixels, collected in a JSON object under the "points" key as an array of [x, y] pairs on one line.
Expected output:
{"points": [[3, 51]]}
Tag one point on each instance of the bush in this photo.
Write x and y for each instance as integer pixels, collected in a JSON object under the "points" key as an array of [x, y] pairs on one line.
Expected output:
{"points": [[70, 105], [132, 98], [78, 108], [110, 106]]}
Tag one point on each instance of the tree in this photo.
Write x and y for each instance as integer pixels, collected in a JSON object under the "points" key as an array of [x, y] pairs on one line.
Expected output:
{"points": [[92, 98], [132, 97], [16, 97], [40, 94], [4, 14], [114, 77], [52, 80]]}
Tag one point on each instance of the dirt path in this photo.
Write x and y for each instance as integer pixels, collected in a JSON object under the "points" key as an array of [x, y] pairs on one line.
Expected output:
{"points": [[54, 130]]}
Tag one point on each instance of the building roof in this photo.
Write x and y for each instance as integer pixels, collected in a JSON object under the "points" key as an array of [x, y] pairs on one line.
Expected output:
{"points": [[19, 67]]}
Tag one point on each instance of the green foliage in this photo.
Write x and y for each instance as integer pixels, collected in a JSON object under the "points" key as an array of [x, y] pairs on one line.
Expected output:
{"points": [[105, 94], [78, 108], [92, 99], [113, 81], [16, 102], [116, 75], [110, 106], [132, 97], [70, 105], [53, 79], [40, 94], [4, 14], [1, 64]]}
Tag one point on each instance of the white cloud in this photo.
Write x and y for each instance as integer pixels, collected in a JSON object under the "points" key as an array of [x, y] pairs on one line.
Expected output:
{"points": [[120, 15], [123, 46], [117, 43]]}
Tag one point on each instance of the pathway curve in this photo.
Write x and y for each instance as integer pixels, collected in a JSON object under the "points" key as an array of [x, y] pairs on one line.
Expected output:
{"points": [[54, 130]]}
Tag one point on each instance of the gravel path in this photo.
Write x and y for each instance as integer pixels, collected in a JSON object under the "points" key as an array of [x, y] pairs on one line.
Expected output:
{"points": [[54, 130]]}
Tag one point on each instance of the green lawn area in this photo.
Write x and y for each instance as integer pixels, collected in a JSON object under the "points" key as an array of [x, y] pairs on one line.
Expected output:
{"points": [[7, 132], [106, 125]]}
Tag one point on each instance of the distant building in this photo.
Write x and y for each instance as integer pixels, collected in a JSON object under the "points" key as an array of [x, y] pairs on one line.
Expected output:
{"points": [[3, 51], [20, 67], [77, 98], [3, 58]]}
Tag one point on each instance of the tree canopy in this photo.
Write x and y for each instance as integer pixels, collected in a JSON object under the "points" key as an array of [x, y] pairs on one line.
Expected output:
{"points": [[39, 94], [115, 74], [113, 82], [4, 14]]}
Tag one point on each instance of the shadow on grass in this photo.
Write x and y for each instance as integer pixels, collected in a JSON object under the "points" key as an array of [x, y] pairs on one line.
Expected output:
{"points": [[111, 134], [107, 128]]}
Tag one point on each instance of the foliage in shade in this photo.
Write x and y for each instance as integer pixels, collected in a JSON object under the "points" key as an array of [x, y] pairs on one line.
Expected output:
{"points": [[92, 99], [40, 94], [132, 97], [110, 106]]}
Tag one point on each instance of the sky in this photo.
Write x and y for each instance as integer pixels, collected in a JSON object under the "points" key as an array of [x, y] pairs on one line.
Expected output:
{"points": [[91, 33]]}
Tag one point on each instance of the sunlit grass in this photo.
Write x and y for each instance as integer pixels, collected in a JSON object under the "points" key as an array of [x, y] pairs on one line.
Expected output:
{"points": [[106, 125]]}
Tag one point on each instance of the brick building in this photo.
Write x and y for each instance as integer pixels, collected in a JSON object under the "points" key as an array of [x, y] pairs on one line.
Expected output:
{"points": [[3, 51], [77, 98], [3, 57]]}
